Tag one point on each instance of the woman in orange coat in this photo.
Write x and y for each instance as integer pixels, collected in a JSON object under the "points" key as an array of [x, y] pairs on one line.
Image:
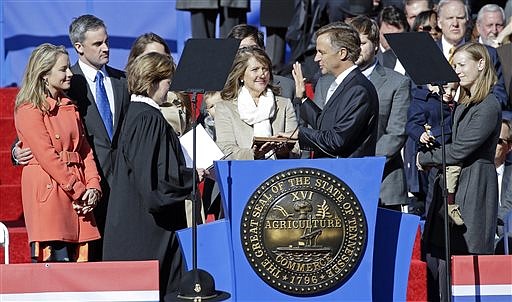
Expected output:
{"points": [[60, 185]]}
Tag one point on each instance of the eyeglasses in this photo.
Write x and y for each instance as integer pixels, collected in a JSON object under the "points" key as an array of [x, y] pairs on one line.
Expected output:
{"points": [[502, 141], [429, 28]]}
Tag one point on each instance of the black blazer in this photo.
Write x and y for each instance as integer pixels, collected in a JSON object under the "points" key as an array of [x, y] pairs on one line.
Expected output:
{"points": [[104, 149], [347, 125]]}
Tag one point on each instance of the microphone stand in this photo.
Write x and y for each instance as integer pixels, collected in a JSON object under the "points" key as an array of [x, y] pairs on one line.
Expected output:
{"points": [[199, 71], [444, 190], [194, 180], [200, 278]]}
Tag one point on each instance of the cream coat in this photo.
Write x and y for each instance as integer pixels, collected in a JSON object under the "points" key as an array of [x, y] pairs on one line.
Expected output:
{"points": [[234, 135]]}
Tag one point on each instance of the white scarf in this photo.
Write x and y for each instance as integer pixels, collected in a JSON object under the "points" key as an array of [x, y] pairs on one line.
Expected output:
{"points": [[257, 116]]}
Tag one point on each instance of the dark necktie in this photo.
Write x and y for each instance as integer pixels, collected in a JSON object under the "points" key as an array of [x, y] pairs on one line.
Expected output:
{"points": [[103, 105]]}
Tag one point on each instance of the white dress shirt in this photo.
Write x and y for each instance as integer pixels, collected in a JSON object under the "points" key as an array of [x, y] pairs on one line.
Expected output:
{"points": [[499, 171], [340, 79]]}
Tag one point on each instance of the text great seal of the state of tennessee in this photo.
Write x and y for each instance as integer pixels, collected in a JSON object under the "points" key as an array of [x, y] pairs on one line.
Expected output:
{"points": [[304, 231]]}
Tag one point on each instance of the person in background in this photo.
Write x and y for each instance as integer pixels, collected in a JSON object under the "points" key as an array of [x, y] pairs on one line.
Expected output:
{"points": [[176, 109], [503, 148], [504, 171], [203, 15], [391, 20], [504, 51], [151, 180], [412, 8], [490, 21], [60, 185], [252, 107], [276, 16], [427, 21], [475, 133], [453, 17]]}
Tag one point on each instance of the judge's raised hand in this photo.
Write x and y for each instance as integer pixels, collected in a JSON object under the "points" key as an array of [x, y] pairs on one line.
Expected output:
{"points": [[21, 155], [300, 81]]}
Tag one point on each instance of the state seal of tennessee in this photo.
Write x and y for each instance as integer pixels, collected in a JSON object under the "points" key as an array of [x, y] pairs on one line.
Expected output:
{"points": [[304, 232]]}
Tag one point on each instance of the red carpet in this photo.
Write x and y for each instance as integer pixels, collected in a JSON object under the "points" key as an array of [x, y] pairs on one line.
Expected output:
{"points": [[11, 210], [417, 284]]}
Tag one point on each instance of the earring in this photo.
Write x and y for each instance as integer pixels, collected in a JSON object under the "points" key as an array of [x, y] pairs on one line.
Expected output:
{"points": [[45, 82]]}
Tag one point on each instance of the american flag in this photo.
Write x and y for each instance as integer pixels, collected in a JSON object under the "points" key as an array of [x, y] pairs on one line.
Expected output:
{"points": [[482, 278]]}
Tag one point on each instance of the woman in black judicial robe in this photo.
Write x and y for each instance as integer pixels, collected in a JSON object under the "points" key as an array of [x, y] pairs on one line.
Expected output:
{"points": [[151, 181]]}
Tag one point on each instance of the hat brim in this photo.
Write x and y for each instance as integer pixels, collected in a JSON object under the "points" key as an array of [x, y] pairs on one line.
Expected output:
{"points": [[220, 296]]}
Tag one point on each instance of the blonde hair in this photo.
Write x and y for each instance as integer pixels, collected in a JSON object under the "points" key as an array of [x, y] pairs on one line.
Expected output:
{"points": [[33, 87], [240, 64], [146, 70], [486, 78]]}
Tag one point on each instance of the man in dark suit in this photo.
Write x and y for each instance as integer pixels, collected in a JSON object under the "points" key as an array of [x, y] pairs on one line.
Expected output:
{"points": [[393, 90], [347, 126], [89, 37], [391, 20], [504, 172]]}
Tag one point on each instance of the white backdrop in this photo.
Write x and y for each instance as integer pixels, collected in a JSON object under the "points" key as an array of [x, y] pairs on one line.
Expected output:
{"points": [[25, 24]]}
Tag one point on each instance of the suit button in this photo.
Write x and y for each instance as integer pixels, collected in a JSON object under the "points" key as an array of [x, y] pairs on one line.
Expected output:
{"points": [[48, 186], [57, 136]]}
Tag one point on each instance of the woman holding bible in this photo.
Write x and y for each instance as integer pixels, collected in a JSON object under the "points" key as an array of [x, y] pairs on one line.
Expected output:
{"points": [[252, 108]]}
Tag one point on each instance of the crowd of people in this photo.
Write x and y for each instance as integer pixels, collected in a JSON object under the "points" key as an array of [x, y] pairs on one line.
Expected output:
{"points": [[104, 176]]}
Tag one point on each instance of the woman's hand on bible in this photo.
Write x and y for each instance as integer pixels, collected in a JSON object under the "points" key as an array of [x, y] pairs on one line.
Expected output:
{"points": [[260, 152]]}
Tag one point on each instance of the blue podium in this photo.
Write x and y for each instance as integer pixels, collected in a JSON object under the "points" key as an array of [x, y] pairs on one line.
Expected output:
{"points": [[249, 257]]}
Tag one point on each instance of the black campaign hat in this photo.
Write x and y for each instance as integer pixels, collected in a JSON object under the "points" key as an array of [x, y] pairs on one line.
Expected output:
{"points": [[198, 285]]}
